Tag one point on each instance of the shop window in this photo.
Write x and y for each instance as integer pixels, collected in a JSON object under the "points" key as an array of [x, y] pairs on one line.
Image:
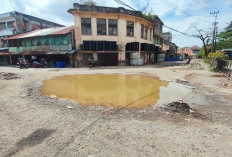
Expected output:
{"points": [[101, 26], [10, 24], [130, 29], [2, 26], [86, 26], [113, 27], [150, 33], [146, 31], [142, 31]]}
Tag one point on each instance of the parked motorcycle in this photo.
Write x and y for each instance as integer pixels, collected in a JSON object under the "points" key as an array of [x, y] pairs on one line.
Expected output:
{"points": [[22, 63], [38, 64], [188, 60], [93, 63]]}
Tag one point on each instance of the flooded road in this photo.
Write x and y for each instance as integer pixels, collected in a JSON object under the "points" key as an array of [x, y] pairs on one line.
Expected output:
{"points": [[120, 91]]}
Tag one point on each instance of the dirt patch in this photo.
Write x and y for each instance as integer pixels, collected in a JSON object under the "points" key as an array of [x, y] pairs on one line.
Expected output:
{"points": [[197, 65], [183, 82], [184, 108], [217, 75], [8, 76]]}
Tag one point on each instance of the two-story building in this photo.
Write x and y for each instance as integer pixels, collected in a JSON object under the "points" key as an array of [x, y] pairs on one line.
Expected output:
{"points": [[169, 47], [109, 34], [51, 44], [13, 23]]}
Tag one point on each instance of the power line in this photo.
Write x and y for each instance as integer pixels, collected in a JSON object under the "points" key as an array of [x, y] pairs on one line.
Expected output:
{"points": [[122, 3], [179, 31], [186, 12], [19, 6], [12, 5]]}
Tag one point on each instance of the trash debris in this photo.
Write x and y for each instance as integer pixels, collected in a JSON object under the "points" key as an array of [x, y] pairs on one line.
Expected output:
{"points": [[69, 107], [53, 96], [8, 76], [181, 100], [179, 107], [184, 108]]}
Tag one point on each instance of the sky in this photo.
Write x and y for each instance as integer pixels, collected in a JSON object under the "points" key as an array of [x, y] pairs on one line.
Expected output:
{"points": [[182, 15]]}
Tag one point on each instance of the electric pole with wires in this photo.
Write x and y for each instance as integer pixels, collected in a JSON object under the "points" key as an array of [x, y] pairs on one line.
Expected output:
{"points": [[213, 45]]}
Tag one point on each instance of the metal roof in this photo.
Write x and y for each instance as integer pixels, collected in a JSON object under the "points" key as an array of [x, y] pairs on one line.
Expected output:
{"points": [[227, 50], [44, 32]]}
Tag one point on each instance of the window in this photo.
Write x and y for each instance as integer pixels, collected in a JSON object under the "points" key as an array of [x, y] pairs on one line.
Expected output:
{"points": [[2, 26], [113, 27], [146, 29], [142, 31], [150, 33], [86, 26], [10, 24], [101, 26], [130, 29]]}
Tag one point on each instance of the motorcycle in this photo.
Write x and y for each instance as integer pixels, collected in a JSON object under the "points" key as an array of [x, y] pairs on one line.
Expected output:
{"points": [[93, 63], [188, 60], [22, 63], [38, 64]]}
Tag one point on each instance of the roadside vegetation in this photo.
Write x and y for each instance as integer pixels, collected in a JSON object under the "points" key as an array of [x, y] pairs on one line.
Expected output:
{"points": [[224, 42]]}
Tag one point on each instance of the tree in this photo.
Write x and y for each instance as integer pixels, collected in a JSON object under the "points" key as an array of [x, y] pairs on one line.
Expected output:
{"points": [[204, 37], [89, 3], [225, 38], [229, 27], [143, 8]]}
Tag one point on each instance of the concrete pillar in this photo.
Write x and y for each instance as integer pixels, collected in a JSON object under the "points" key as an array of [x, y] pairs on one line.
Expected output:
{"points": [[77, 24], [95, 56], [79, 60], [71, 61]]}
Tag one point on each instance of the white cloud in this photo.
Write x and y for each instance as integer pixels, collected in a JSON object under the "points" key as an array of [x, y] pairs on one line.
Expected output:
{"points": [[178, 14]]}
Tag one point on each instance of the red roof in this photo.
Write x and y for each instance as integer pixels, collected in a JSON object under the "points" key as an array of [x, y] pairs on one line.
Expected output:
{"points": [[195, 48], [44, 32], [21, 35]]}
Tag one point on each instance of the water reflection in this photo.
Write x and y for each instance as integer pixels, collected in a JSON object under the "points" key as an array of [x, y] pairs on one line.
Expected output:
{"points": [[129, 91]]}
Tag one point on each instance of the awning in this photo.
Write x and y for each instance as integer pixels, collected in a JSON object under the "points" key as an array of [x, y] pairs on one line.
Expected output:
{"points": [[4, 54], [32, 53], [57, 52], [71, 52], [61, 52]]}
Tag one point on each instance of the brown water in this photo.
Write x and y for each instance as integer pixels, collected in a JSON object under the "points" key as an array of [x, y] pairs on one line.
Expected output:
{"points": [[120, 91]]}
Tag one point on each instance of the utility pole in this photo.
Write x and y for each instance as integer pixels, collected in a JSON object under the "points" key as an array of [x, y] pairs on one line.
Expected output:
{"points": [[214, 31]]}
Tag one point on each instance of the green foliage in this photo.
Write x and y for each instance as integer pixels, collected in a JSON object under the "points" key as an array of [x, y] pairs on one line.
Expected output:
{"points": [[212, 70], [225, 38], [218, 54], [201, 53], [211, 57], [89, 3]]}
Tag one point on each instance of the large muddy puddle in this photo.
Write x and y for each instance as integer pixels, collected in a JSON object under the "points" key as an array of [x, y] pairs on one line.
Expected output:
{"points": [[120, 91]]}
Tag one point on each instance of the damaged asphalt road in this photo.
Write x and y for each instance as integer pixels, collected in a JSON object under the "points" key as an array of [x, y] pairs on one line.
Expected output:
{"points": [[32, 124]]}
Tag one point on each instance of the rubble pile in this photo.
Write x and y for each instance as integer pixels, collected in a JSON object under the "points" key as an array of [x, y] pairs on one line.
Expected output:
{"points": [[197, 65], [180, 107], [184, 108], [8, 76]]}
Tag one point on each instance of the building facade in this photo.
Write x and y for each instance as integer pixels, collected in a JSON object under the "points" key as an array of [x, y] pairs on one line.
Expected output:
{"points": [[52, 44], [189, 51], [109, 35], [167, 36], [168, 46], [13, 23]]}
